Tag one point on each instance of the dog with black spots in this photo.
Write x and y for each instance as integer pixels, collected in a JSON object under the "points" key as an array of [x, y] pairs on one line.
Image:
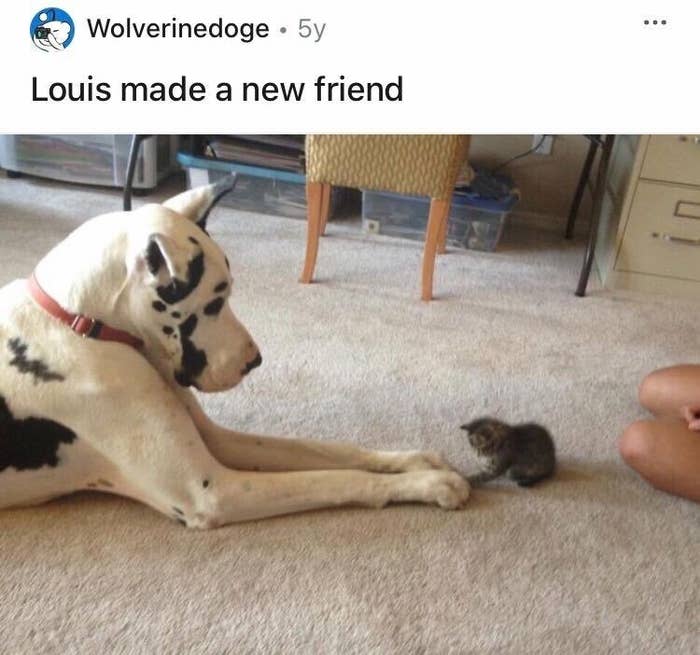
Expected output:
{"points": [[100, 351]]}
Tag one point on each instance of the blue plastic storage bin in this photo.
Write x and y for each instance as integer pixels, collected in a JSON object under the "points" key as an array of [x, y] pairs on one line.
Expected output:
{"points": [[474, 222], [258, 189]]}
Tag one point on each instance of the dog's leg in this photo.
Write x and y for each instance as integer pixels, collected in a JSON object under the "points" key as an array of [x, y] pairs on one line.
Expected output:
{"points": [[234, 496], [215, 495], [184, 481], [164, 462], [257, 453]]}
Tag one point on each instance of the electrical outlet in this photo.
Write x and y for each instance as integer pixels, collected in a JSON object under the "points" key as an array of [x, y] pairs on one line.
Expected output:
{"points": [[372, 227], [545, 147]]}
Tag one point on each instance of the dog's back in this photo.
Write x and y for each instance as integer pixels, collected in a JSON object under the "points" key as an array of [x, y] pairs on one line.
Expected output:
{"points": [[47, 376]]}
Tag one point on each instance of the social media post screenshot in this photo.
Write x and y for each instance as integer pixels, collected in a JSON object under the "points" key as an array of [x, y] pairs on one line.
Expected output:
{"points": [[350, 327]]}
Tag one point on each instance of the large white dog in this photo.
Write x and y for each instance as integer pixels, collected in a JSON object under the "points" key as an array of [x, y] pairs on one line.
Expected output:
{"points": [[97, 351]]}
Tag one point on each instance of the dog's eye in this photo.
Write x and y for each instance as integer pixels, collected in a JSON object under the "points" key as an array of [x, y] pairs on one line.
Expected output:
{"points": [[214, 307]]}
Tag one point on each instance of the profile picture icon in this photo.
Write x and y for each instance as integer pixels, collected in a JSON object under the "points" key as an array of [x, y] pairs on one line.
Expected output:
{"points": [[52, 29]]}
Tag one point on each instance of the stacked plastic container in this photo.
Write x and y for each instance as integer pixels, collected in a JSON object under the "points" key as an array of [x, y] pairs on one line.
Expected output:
{"points": [[98, 159], [477, 214]]}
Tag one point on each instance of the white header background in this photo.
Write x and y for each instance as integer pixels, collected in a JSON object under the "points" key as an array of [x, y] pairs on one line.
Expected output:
{"points": [[512, 66]]}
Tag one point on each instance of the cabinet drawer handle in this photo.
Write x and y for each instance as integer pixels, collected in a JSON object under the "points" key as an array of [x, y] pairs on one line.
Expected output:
{"points": [[674, 239], [687, 209]]}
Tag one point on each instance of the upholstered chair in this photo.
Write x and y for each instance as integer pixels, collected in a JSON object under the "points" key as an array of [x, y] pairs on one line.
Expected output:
{"points": [[416, 165]]}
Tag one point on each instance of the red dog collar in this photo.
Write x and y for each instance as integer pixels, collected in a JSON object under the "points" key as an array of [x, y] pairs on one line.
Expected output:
{"points": [[79, 323]]}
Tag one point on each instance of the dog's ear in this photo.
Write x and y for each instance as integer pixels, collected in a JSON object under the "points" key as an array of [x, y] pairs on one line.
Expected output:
{"points": [[174, 269], [163, 256], [196, 204]]}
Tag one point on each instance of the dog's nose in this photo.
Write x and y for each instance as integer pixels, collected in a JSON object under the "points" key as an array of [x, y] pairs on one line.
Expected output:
{"points": [[253, 363]]}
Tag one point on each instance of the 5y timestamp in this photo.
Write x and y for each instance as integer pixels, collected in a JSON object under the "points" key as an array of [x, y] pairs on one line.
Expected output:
{"points": [[307, 28]]}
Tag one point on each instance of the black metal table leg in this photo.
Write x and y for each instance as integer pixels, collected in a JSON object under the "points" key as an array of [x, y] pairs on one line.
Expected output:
{"points": [[582, 181], [598, 195], [136, 140]]}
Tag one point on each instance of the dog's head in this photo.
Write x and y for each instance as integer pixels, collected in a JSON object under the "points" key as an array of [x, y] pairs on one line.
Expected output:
{"points": [[179, 291]]}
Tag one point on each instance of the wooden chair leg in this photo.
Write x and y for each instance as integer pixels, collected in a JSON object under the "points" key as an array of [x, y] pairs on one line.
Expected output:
{"points": [[442, 242], [438, 214], [325, 207], [314, 202]]}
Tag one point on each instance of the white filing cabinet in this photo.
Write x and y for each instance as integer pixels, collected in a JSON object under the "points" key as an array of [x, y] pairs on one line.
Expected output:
{"points": [[649, 236]]}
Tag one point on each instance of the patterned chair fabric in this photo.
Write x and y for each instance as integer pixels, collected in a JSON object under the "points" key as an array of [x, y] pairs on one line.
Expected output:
{"points": [[417, 165]]}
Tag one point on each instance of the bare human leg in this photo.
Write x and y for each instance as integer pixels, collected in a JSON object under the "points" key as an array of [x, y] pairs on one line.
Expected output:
{"points": [[665, 451]]}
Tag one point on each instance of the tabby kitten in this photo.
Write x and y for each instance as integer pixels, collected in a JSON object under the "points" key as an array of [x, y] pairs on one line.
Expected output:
{"points": [[524, 452]]}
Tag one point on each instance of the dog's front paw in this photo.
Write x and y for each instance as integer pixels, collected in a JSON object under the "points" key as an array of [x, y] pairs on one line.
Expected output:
{"points": [[447, 489]]}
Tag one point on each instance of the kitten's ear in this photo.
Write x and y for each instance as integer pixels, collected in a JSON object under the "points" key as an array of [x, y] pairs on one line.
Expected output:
{"points": [[196, 204]]}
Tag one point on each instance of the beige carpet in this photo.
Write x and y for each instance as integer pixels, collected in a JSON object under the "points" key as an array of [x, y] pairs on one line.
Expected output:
{"points": [[592, 562]]}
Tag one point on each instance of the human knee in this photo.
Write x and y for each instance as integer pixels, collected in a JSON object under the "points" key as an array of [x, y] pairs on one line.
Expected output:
{"points": [[636, 443], [650, 388]]}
